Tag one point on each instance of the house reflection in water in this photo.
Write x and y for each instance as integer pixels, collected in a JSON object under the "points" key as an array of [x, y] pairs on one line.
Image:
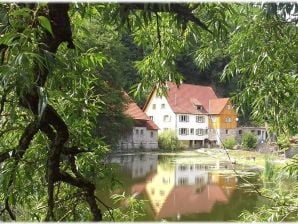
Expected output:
{"points": [[136, 166], [175, 188], [184, 189]]}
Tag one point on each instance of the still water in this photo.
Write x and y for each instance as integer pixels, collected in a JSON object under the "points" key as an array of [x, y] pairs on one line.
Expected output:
{"points": [[185, 188]]}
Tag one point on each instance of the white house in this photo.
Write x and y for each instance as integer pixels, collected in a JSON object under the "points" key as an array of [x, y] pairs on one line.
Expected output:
{"points": [[143, 135], [185, 110]]}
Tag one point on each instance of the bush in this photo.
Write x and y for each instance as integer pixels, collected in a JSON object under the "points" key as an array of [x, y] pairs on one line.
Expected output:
{"points": [[249, 141], [283, 141], [229, 142], [168, 140]]}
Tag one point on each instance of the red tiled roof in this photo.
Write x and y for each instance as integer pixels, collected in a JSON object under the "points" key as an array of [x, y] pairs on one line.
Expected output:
{"points": [[151, 125], [217, 105], [186, 97], [135, 112], [186, 200]]}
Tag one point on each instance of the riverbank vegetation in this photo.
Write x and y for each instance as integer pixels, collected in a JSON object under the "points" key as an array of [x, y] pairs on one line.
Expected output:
{"points": [[63, 68]]}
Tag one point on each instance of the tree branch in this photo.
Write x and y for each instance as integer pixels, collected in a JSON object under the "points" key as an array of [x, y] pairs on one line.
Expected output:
{"points": [[179, 9], [107, 207], [7, 207]]}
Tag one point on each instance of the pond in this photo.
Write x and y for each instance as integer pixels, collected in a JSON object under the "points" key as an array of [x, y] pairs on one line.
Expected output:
{"points": [[185, 187]]}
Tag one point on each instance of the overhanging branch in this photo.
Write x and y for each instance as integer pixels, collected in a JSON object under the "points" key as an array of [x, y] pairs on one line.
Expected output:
{"points": [[179, 9]]}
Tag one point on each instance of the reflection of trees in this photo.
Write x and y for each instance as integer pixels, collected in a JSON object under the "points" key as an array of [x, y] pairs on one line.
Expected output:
{"points": [[166, 162]]}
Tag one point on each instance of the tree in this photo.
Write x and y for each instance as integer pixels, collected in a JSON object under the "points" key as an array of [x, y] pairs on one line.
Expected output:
{"points": [[248, 140], [40, 80]]}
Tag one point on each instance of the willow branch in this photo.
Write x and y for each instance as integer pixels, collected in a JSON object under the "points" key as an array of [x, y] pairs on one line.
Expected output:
{"points": [[107, 207], [179, 9], [158, 30], [8, 209]]}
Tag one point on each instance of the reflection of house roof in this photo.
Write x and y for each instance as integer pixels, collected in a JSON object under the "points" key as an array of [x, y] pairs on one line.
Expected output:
{"points": [[140, 187], [186, 97], [133, 111], [185, 200], [217, 105]]}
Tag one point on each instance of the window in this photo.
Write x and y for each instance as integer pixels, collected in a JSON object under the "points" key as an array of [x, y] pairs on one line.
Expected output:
{"points": [[151, 134], [191, 131], [151, 117], [154, 106], [137, 131], [199, 180], [182, 167], [200, 119], [142, 132], [162, 193], [199, 107], [228, 120], [227, 131], [152, 191], [259, 132], [229, 107], [199, 131], [253, 131], [240, 132], [183, 131], [162, 106], [182, 181], [166, 118], [183, 118], [199, 167], [166, 180]]}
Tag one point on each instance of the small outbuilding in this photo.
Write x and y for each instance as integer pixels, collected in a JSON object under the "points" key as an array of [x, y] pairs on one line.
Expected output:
{"points": [[143, 135]]}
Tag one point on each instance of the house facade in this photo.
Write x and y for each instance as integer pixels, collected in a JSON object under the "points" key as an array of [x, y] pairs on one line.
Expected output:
{"points": [[186, 110], [222, 120], [143, 135]]}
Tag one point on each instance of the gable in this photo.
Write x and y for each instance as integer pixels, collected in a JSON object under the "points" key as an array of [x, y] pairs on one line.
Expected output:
{"points": [[216, 106]]}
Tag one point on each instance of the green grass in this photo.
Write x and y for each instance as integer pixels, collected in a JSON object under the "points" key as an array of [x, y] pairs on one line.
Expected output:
{"points": [[243, 157]]}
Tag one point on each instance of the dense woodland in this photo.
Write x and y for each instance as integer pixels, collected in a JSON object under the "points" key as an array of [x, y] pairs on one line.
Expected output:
{"points": [[63, 68]]}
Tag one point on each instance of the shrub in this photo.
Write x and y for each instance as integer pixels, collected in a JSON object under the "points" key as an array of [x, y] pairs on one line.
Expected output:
{"points": [[283, 141], [249, 141], [168, 140], [229, 142]]}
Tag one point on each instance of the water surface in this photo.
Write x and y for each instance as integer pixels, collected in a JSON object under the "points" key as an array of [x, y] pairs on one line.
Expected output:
{"points": [[186, 188]]}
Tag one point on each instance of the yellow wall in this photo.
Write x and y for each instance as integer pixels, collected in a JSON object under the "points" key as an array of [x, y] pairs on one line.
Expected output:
{"points": [[219, 119], [160, 186]]}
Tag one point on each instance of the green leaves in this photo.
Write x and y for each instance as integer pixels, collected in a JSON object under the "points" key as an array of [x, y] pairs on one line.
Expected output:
{"points": [[45, 23]]}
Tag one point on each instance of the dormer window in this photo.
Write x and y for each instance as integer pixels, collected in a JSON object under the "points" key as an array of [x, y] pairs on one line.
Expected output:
{"points": [[229, 107], [199, 107]]}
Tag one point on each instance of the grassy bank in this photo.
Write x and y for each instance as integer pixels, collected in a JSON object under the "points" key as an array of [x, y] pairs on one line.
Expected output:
{"points": [[244, 157]]}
